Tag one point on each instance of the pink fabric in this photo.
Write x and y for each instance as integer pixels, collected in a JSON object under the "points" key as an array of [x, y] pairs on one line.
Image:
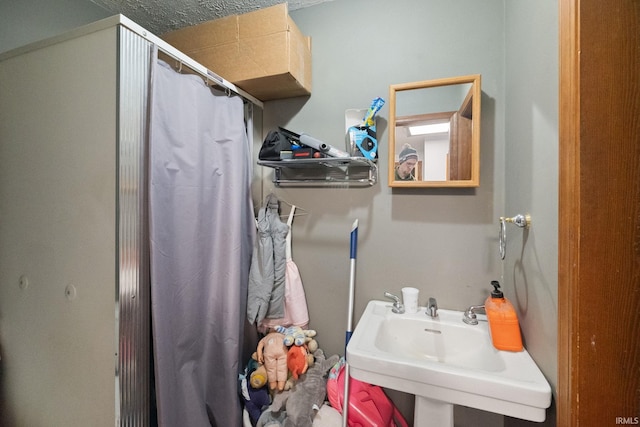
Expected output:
{"points": [[296, 312]]}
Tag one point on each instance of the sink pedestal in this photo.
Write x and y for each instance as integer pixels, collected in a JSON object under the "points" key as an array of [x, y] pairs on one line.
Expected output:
{"points": [[429, 412]]}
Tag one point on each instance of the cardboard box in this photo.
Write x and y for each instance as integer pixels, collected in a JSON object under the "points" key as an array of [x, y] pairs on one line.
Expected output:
{"points": [[262, 52]]}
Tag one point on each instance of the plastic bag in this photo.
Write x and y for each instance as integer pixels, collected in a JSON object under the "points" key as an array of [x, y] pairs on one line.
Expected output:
{"points": [[369, 406]]}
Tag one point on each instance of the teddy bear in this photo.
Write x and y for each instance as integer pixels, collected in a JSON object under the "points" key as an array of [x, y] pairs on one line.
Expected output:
{"points": [[272, 353], [295, 335]]}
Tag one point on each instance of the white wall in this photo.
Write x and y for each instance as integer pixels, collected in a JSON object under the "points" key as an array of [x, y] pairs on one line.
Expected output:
{"points": [[435, 159]]}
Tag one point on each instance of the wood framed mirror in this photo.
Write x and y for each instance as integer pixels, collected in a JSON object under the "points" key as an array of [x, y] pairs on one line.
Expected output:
{"points": [[434, 133]]}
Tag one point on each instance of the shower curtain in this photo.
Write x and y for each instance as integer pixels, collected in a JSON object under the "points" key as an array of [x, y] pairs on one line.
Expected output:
{"points": [[202, 230]]}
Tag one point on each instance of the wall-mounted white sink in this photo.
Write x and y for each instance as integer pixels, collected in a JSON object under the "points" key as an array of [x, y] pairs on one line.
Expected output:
{"points": [[445, 362]]}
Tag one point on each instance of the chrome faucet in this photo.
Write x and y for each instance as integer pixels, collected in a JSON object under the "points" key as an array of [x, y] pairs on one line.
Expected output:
{"points": [[432, 308], [470, 317], [398, 307]]}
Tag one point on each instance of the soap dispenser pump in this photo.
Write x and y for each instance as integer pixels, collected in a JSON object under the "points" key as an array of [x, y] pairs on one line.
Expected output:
{"points": [[503, 321]]}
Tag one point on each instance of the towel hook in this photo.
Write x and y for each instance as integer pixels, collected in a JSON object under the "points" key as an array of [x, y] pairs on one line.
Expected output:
{"points": [[520, 220]]}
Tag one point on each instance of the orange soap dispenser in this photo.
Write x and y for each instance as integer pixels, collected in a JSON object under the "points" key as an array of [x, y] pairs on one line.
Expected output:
{"points": [[503, 321]]}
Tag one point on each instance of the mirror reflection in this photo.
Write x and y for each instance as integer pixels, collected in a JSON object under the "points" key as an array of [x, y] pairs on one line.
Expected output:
{"points": [[435, 133]]}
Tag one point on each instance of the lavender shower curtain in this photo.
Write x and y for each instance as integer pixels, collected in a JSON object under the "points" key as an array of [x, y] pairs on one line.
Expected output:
{"points": [[201, 232]]}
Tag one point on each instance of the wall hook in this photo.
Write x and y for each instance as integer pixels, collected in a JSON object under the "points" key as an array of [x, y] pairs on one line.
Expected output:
{"points": [[520, 220]]}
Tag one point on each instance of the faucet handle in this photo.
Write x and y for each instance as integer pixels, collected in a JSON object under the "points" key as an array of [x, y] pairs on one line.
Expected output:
{"points": [[470, 317], [397, 305], [392, 296], [432, 307]]}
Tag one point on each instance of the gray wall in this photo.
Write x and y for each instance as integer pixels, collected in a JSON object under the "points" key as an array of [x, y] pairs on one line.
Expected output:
{"points": [[531, 173], [58, 163], [442, 241], [26, 21]]}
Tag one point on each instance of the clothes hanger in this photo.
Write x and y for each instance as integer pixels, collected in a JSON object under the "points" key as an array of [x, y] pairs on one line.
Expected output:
{"points": [[299, 210]]}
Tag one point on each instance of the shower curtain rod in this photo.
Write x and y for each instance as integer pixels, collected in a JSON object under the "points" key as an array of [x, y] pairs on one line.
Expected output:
{"points": [[185, 60]]}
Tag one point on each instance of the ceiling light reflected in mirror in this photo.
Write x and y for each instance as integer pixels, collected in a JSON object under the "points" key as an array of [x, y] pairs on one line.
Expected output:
{"points": [[429, 129]]}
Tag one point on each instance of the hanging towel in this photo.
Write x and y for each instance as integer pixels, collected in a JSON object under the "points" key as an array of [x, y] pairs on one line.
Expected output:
{"points": [[268, 264], [295, 303]]}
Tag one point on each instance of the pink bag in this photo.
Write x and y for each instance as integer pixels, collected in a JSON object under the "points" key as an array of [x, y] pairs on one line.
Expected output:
{"points": [[368, 405]]}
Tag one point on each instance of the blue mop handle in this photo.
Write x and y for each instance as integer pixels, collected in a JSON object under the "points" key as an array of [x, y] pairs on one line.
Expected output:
{"points": [[353, 253], [352, 286], [354, 240], [347, 338]]}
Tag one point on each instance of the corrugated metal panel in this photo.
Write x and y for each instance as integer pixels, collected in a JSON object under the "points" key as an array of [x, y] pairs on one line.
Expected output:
{"points": [[134, 377]]}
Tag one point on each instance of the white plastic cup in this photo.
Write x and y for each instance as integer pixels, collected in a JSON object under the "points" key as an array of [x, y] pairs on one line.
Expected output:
{"points": [[410, 299]]}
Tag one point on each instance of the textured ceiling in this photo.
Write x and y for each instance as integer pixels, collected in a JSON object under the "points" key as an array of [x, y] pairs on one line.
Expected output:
{"points": [[160, 16]]}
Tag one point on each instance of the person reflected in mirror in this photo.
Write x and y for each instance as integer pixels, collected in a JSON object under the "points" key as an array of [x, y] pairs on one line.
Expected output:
{"points": [[407, 160]]}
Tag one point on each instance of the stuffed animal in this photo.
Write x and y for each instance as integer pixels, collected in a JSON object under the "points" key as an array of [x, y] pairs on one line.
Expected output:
{"points": [[272, 417], [255, 400], [297, 361], [257, 372], [273, 354], [310, 392], [295, 335], [312, 345], [301, 403]]}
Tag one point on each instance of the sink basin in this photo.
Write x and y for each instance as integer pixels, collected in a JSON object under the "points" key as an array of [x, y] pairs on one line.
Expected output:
{"points": [[445, 362]]}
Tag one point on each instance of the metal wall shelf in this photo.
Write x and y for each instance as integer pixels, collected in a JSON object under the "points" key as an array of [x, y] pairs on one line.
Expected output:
{"points": [[326, 171]]}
